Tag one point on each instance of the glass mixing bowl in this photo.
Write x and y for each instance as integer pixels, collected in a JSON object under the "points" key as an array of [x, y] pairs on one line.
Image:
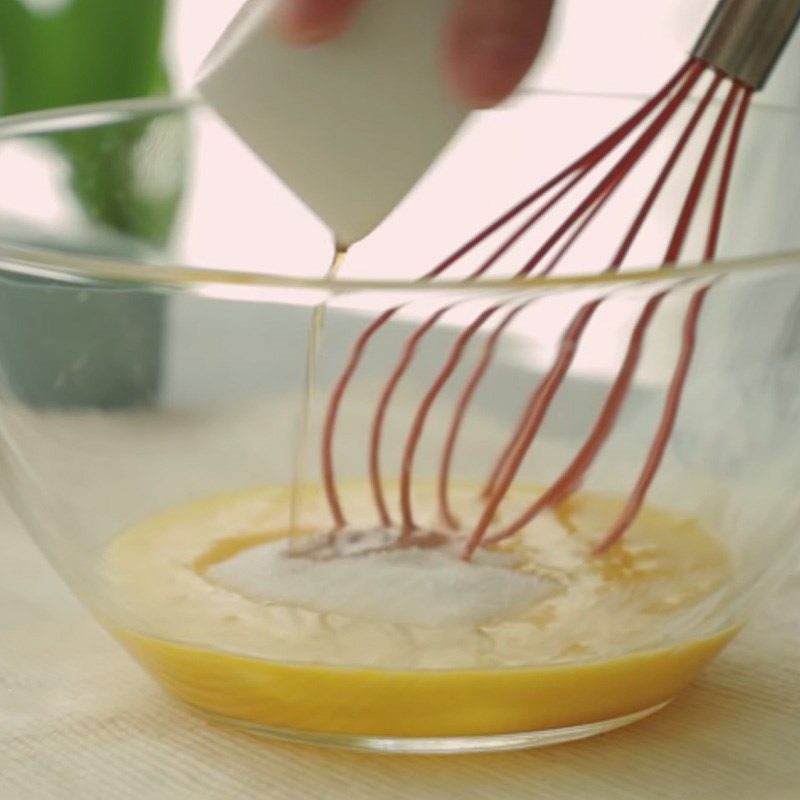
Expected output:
{"points": [[162, 404]]}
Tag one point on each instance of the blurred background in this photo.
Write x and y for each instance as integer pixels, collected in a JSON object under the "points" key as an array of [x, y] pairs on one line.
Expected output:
{"points": [[56, 53], [64, 52]]}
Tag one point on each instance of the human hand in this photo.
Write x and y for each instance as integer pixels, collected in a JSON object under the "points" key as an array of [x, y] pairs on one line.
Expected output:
{"points": [[489, 47]]}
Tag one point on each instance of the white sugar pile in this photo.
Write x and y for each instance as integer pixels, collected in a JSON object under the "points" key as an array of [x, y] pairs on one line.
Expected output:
{"points": [[427, 586]]}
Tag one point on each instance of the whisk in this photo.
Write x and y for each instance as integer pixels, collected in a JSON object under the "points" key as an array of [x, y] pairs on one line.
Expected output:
{"points": [[732, 59]]}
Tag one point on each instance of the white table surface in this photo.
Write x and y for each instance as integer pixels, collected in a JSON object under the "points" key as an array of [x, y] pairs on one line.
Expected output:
{"points": [[79, 720]]}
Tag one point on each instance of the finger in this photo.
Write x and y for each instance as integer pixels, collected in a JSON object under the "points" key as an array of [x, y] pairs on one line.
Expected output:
{"points": [[313, 21], [491, 45]]}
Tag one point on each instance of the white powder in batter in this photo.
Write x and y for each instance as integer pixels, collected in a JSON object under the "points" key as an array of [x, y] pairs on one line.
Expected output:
{"points": [[421, 586]]}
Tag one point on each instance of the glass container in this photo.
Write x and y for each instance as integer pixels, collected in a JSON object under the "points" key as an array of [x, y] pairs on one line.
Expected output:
{"points": [[192, 520]]}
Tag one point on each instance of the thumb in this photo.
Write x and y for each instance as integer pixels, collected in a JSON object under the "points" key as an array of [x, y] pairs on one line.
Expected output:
{"points": [[492, 44]]}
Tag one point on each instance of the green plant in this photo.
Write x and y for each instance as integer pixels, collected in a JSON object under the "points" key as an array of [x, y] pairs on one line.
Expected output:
{"points": [[58, 53]]}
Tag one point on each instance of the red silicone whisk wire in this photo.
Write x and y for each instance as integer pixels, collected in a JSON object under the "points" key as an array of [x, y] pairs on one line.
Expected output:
{"points": [[678, 383], [582, 165], [572, 476], [556, 246], [543, 396]]}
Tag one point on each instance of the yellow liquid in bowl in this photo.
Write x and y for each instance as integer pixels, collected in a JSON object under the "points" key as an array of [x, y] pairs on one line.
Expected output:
{"points": [[605, 641]]}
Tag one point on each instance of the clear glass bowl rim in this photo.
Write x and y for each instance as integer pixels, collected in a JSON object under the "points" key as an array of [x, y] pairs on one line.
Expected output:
{"points": [[87, 268]]}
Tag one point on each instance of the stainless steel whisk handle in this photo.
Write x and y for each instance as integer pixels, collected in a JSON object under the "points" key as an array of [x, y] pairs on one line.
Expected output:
{"points": [[745, 38]]}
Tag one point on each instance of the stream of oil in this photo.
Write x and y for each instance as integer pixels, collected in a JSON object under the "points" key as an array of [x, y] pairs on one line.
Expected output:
{"points": [[303, 441]]}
